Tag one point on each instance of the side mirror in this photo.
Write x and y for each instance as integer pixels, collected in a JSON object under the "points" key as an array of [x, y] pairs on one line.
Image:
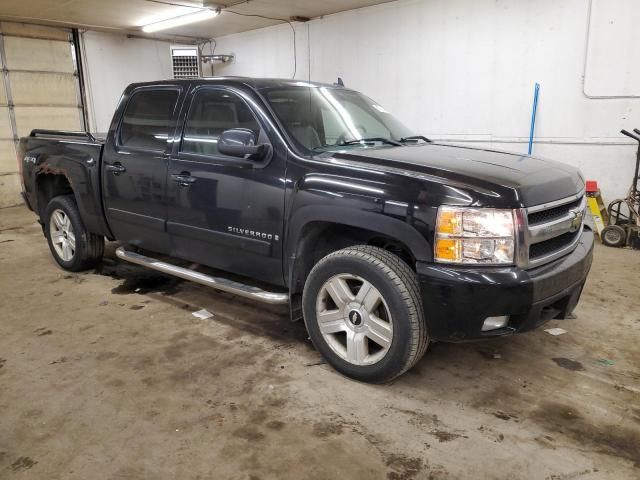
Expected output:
{"points": [[241, 142]]}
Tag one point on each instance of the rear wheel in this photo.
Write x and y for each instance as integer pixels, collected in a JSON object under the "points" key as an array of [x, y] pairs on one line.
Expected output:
{"points": [[614, 236], [363, 312], [72, 246]]}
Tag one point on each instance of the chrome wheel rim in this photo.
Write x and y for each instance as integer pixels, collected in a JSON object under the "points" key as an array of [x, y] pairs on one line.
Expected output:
{"points": [[62, 237], [354, 319]]}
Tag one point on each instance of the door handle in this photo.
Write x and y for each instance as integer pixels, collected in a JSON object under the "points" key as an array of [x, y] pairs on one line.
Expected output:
{"points": [[117, 168], [183, 179]]}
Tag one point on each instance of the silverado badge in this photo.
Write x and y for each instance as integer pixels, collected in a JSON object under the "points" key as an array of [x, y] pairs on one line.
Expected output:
{"points": [[253, 233]]}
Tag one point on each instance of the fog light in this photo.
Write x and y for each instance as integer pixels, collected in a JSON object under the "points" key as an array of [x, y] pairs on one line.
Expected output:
{"points": [[492, 323]]}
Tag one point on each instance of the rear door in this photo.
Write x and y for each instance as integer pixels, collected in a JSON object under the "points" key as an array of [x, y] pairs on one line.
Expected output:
{"points": [[226, 212], [135, 162]]}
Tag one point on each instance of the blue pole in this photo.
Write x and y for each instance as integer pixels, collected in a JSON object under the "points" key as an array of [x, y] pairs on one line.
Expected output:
{"points": [[533, 116]]}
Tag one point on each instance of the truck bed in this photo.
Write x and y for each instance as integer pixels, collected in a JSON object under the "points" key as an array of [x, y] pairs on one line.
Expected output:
{"points": [[66, 135], [77, 156]]}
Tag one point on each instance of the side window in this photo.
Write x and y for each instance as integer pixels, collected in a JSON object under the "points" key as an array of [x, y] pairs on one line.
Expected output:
{"points": [[146, 120], [211, 113]]}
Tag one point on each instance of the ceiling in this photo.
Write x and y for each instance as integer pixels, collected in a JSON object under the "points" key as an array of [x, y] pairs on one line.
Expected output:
{"points": [[128, 16]]}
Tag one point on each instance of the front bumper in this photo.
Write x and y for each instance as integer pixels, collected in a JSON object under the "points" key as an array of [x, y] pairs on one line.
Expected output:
{"points": [[457, 300]]}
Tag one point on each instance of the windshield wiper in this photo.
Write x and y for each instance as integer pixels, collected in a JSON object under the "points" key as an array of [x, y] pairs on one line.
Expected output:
{"points": [[414, 138], [370, 140]]}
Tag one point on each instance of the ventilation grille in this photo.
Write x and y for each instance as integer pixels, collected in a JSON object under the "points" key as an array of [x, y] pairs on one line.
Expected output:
{"points": [[185, 63], [547, 247]]}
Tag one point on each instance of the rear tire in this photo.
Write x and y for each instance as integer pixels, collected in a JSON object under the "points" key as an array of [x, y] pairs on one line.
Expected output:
{"points": [[72, 246], [363, 311], [614, 236]]}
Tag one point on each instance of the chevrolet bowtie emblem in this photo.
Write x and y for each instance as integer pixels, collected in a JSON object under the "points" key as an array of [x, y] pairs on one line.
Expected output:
{"points": [[576, 221]]}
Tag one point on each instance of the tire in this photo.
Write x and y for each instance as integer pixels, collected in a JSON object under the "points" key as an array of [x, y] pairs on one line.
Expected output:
{"points": [[77, 249], [372, 337], [614, 236]]}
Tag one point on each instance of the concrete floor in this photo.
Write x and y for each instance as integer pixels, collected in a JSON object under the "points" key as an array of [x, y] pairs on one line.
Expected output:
{"points": [[107, 375]]}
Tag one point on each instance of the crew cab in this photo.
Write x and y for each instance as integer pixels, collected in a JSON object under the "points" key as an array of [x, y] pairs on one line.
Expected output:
{"points": [[316, 196]]}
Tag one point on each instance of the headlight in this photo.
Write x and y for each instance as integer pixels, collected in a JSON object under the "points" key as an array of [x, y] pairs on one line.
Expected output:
{"points": [[474, 235]]}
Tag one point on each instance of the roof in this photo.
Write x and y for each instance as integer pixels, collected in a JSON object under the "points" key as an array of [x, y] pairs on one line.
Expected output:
{"points": [[257, 83]]}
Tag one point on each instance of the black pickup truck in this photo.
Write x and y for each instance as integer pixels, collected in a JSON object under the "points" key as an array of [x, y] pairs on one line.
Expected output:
{"points": [[314, 195]]}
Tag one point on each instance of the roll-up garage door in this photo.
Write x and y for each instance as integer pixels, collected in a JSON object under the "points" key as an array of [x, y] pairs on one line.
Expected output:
{"points": [[39, 89]]}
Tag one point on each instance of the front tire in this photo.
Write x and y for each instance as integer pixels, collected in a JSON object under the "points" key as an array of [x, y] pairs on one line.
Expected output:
{"points": [[72, 246], [363, 311]]}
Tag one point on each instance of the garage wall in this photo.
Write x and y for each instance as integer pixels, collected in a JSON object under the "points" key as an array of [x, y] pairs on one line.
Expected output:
{"points": [[462, 70], [38, 89], [112, 62]]}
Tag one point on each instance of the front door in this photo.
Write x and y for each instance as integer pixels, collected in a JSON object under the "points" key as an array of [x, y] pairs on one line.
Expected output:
{"points": [[225, 212], [134, 176]]}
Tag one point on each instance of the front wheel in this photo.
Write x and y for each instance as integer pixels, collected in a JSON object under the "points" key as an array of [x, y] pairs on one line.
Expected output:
{"points": [[72, 246], [363, 312]]}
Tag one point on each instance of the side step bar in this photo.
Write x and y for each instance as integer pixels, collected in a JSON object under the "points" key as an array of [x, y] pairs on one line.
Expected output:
{"points": [[240, 289]]}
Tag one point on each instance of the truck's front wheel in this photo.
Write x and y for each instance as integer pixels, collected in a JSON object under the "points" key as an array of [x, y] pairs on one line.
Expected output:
{"points": [[72, 246], [363, 313]]}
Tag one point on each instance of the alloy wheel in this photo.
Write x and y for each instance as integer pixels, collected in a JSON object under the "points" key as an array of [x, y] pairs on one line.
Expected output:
{"points": [[354, 319], [62, 236]]}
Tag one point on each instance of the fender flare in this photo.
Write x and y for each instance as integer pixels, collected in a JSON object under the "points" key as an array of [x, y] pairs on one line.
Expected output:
{"points": [[93, 220], [45, 170], [368, 220]]}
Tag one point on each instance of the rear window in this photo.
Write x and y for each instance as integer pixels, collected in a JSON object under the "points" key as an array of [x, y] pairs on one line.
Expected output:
{"points": [[146, 120]]}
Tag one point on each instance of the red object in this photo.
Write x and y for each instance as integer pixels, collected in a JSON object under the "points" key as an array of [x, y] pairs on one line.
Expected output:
{"points": [[591, 186]]}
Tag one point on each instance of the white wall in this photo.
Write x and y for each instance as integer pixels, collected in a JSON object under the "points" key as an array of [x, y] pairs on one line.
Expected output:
{"points": [[114, 61], [465, 69]]}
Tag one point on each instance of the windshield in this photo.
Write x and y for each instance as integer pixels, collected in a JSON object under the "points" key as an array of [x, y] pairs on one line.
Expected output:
{"points": [[325, 118]]}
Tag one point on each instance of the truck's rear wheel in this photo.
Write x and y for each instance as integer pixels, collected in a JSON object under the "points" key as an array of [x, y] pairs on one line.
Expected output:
{"points": [[363, 313], [71, 245]]}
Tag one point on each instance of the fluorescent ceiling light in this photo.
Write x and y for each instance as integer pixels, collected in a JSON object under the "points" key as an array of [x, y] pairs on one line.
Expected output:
{"points": [[181, 20]]}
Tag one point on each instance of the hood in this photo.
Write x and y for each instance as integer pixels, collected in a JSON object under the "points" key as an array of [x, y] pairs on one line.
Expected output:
{"points": [[534, 180]]}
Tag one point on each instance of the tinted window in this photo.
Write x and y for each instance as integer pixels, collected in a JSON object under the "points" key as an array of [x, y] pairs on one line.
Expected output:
{"points": [[211, 113], [146, 119]]}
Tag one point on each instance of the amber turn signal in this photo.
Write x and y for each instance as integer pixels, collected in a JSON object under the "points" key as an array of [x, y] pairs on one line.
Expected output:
{"points": [[448, 249]]}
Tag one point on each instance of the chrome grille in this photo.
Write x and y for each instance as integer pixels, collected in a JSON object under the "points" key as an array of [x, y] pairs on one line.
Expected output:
{"points": [[552, 213], [552, 230]]}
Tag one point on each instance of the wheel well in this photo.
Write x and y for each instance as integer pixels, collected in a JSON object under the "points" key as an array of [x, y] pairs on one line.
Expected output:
{"points": [[319, 239], [49, 186]]}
